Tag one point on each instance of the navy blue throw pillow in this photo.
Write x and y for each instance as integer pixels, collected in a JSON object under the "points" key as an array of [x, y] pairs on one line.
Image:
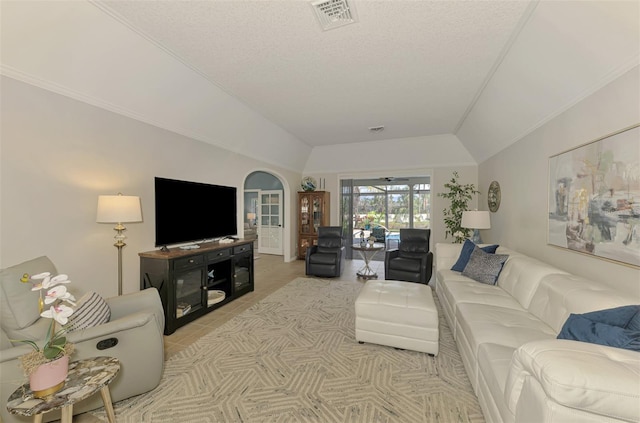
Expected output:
{"points": [[465, 254], [615, 327]]}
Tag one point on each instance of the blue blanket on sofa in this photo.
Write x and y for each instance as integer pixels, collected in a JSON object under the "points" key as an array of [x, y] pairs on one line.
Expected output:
{"points": [[616, 327]]}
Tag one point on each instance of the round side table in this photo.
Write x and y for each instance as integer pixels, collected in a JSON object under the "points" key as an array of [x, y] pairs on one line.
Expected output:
{"points": [[85, 378], [367, 253]]}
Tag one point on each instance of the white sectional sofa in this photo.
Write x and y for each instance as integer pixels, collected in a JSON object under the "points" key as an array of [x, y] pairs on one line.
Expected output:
{"points": [[506, 334]]}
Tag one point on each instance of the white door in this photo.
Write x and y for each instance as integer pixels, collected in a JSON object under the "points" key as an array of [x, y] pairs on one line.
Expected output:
{"points": [[270, 222]]}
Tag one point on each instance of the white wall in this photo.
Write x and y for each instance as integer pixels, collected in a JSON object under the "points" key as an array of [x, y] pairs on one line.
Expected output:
{"points": [[59, 154], [76, 49], [522, 171], [388, 155]]}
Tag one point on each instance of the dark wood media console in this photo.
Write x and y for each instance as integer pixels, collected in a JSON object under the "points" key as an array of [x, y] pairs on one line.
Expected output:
{"points": [[195, 282]]}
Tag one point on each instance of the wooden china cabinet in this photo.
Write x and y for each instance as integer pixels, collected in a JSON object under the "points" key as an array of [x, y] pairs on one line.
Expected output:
{"points": [[313, 211]]}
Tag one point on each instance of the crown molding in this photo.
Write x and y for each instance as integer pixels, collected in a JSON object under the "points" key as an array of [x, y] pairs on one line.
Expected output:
{"points": [[614, 74], [11, 72]]}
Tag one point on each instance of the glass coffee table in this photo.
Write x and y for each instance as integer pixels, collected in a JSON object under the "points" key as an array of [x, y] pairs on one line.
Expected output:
{"points": [[367, 253]]}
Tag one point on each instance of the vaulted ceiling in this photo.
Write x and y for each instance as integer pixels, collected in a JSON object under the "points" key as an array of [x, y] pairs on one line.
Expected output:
{"points": [[411, 66], [487, 71]]}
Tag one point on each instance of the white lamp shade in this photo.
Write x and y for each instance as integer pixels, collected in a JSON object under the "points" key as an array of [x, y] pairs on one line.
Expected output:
{"points": [[118, 209], [251, 216], [476, 219]]}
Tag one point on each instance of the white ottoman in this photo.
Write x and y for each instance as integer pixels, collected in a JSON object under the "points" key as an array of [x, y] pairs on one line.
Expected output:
{"points": [[397, 314]]}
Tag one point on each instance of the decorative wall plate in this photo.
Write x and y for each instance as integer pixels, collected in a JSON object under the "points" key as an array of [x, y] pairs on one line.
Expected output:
{"points": [[494, 196], [308, 183]]}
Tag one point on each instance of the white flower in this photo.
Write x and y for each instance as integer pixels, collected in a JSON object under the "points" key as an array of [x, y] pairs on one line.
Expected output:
{"points": [[48, 281], [59, 293], [55, 343], [59, 313], [62, 278]]}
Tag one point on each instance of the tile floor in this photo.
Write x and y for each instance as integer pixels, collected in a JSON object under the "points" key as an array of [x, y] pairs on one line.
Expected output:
{"points": [[271, 273]]}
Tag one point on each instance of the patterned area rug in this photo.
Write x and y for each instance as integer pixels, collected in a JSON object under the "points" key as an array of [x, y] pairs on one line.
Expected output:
{"points": [[293, 357]]}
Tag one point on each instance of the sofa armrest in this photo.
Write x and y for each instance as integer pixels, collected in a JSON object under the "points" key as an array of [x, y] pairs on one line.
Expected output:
{"points": [[389, 254], [113, 327], [588, 377], [312, 249], [145, 300], [14, 352], [446, 255]]}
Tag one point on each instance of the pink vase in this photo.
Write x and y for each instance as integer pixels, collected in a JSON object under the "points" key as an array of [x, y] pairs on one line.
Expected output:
{"points": [[49, 378]]}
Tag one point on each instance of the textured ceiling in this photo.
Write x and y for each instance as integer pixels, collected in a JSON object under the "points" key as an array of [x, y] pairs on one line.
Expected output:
{"points": [[413, 66], [262, 78]]}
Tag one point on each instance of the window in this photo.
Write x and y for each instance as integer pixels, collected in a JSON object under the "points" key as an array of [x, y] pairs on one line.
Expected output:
{"points": [[390, 203]]}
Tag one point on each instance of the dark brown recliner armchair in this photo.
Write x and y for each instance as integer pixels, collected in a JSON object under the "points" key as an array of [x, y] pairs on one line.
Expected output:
{"points": [[328, 257], [412, 261]]}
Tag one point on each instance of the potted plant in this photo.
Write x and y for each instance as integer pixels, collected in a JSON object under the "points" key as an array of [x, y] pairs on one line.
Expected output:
{"points": [[47, 366], [459, 195]]}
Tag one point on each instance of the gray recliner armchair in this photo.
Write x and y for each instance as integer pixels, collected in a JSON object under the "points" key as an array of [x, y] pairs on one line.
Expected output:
{"points": [[328, 257], [412, 261], [134, 334]]}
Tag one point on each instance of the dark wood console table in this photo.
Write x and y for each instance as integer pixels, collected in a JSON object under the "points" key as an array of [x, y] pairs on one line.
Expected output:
{"points": [[195, 282]]}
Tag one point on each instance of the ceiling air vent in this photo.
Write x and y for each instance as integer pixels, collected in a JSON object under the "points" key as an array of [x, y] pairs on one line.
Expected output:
{"points": [[376, 128], [334, 13]]}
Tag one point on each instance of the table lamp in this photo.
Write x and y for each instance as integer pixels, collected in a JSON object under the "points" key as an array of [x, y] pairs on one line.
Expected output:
{"points": [[251, 217], [119, 209], [476, 220]]}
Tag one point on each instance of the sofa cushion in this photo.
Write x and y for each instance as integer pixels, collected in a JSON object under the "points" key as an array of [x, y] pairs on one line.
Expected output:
{"points": [[559, 295], [446, 255], [328, 250], [460, 289], [484, 267], [465, 254], [604, 327], [329, 244], [494, 362], [18, 303], [592, 378], [509, 327], [405, 264], [92, 310], [323, 258], [468, 291], [521, 275], [478, 324]]}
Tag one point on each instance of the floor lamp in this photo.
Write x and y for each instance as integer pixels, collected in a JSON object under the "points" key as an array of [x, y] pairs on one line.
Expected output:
{"points": [[476, 220], [119, 209]]}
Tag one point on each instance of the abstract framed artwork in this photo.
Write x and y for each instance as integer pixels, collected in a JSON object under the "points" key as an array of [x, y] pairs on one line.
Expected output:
{"points": [[594, 198]]}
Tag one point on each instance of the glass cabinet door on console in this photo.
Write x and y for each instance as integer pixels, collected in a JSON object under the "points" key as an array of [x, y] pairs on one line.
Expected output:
{"points": [[242, 269], [313, 212], [188, 287], [195, 282]]}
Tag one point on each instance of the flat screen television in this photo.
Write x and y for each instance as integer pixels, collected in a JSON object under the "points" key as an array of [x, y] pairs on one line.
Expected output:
{"points": [[193, 211]]}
